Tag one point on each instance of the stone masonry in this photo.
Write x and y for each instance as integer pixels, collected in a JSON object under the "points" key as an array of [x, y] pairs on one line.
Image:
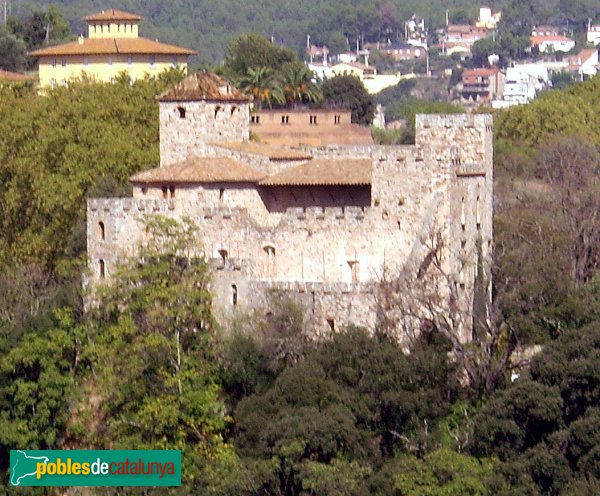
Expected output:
{"points": [[325, 224]]}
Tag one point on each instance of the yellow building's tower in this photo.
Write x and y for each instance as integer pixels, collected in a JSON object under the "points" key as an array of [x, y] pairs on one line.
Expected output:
{"points": [[113, 45]]}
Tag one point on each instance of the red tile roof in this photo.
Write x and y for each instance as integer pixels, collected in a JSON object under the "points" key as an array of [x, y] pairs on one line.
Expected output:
{"points": [[537, 40], [15, 76], [273, 152], [200, 170], [112, 15], [203, 86], [107, 46], [324, 172]]}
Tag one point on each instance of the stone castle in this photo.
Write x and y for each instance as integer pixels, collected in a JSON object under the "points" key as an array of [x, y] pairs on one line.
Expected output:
{"points": [[325, 224]]}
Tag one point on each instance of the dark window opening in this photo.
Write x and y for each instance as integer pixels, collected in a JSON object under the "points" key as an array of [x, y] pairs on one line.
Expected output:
{"points": [[217, 109], [336, 119], [221, 194], [101, 231], [144, 190], [181, 112], [285, 119], [313, 119], [255, 119], [331, 324], [165, 192], [102, 268], [234, 295], [223, 254], [233, 109], [172, 191]]}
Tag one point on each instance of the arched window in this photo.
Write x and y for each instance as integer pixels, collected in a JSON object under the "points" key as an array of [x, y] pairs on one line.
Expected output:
{"points": [[101, 269], [101, 231]]}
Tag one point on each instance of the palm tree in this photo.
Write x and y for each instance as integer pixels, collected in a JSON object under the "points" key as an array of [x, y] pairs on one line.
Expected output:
{"points": [[297, 84], [261, 83]]}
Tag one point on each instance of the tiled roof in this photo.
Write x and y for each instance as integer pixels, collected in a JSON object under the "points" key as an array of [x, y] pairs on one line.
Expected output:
{"points": [[536, 40], [14, 76], [324, 172], [480, 72], [113, 15], [200, 170], [203, 86], [271, 151], [107, 46]]}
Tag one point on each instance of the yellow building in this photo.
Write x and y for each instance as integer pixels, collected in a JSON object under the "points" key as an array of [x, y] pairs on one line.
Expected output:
{"points": [[112, 46]]}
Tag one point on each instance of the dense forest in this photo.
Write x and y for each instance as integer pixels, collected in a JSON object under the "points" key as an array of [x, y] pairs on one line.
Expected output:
{"points": [[255, 407], [207, 26]]}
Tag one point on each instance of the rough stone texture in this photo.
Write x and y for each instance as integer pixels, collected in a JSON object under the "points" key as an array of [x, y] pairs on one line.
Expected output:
{"points": [[328, 247], [203, 123]]}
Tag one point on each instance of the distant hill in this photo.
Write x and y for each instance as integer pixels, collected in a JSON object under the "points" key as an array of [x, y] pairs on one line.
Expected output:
{"points": [[208, 25]]}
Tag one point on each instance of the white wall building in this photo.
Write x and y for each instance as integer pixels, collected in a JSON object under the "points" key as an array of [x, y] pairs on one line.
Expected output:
{"points": [[593, 34], [523, 83]]}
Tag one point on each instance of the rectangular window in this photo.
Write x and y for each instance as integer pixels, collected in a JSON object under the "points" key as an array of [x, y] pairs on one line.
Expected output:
{"points": [[285, 119], [313, 119], [63, 62], [53, 62], [109, 60], [152, 60], [174, 61], [336, 119], [86, 61], [130, 60]]}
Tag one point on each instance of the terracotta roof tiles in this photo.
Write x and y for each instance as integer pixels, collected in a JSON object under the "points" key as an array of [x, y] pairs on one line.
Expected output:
{"points": [[200, 170], [324, 172], [271, 151], [101, 46], [113, 15], [203, 86]]}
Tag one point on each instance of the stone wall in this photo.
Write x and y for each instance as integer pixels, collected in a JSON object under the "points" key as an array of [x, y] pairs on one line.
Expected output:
{"points": [[186, 128], [330, 253]]}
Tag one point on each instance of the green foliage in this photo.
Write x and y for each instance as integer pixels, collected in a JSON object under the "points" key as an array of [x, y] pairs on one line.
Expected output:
{"points": [[349, 92], [573, 111], [545, 429], [324, 421], [440, 473], [562, 79], [296, 84], [162, 393], [56, 147], [37, 385], [252, 50], [12, 52]]}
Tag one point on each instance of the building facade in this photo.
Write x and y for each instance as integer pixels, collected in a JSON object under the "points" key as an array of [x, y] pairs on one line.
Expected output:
{"points": [[326, 225], [113, 46]]}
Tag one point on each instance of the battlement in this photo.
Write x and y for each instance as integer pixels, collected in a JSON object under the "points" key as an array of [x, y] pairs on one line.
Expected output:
{"points": [[165, 206], [327, 213]]}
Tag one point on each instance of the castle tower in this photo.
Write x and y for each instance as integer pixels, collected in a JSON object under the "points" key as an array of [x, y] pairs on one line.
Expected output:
{"points": [[200, 110]]}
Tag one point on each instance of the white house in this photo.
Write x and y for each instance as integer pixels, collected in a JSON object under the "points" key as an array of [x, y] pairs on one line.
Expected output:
{"points": [[523, 83], [553, 43], [593, 34], [584, 64]]}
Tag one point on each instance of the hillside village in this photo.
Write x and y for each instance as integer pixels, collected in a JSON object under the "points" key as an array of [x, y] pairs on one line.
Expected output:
{"points": [[481, 63], [355, 252]]}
